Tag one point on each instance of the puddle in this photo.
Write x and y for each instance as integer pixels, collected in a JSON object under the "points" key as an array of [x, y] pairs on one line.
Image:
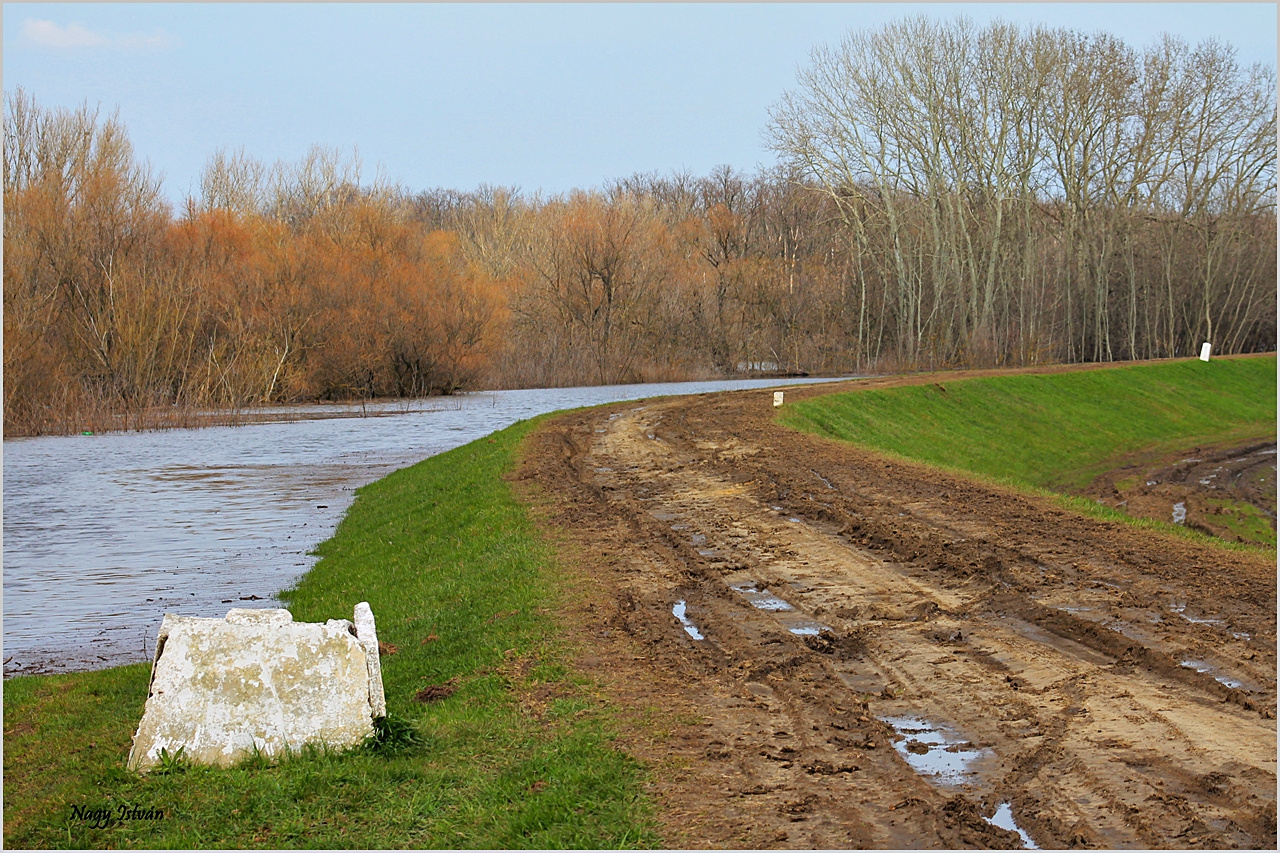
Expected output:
{"points": [[698, 539], [795, 520], [1242, 635], [603, 469], [796, 622], [1179, 512], [760, 599], [1181, 610], [934, 752], [678, 526], [662, 515], [708, 552], [1201, 666], [1003, 818], [677, 610], [1125, 629], [776, 508], [824, 480]]}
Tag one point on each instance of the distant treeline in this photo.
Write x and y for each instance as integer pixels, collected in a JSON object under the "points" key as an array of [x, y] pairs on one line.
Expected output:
{"points": [[945, 196]]}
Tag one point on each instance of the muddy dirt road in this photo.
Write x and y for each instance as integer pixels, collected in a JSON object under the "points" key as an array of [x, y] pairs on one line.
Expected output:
{"points": [[827, 648]]}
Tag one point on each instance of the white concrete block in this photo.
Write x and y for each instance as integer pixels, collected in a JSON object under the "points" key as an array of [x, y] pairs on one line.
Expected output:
{"points": [[221, 687], [777, 399], [1205, 349], [367, 634]]}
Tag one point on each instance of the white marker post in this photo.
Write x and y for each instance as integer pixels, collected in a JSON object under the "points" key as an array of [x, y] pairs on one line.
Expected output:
{"points": [[1204, 351], [777, 399]]}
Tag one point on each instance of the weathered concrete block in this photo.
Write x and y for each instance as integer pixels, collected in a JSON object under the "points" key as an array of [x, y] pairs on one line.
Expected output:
{"points": [[367, 634], [221, 687]]}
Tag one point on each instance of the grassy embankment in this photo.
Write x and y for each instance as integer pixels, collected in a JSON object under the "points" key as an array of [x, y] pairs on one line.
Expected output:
{"points": [[1057, 432], [462, 585]]}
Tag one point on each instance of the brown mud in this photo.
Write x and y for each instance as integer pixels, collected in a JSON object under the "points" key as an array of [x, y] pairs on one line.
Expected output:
{"points": [[1202, 487], [819, 647]]}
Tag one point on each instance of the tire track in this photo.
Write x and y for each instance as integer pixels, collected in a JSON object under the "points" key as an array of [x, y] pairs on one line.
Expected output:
{"points": [[853, 608]]}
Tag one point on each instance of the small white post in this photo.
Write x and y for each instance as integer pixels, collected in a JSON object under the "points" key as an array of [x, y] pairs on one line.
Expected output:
{"points": [[1204, 351], [777, 399]]}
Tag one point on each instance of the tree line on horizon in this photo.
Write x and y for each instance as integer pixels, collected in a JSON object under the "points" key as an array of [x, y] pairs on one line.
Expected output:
{"points": [[945, 196]]}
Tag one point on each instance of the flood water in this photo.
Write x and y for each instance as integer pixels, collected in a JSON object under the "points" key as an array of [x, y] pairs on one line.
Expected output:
{"points": [[104, 534]]}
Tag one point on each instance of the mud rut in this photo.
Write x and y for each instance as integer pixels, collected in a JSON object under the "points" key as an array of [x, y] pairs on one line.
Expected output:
{"points": [[889, 654], [1242, 473]]}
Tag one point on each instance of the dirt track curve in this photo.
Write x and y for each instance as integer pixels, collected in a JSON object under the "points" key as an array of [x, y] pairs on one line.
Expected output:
{"points": [[874, 654]]}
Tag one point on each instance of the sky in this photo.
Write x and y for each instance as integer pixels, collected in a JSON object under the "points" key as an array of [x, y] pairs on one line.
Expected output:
{"points": [[545, 97]]}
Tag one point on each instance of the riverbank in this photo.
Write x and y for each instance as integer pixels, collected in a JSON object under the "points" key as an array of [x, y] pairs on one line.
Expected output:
{"points": [[1113, 435], [103, 419], [499, 742], [96, 422]]}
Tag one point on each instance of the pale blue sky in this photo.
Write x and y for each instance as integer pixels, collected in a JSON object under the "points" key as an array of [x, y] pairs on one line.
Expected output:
{"points": [[544, 97]]}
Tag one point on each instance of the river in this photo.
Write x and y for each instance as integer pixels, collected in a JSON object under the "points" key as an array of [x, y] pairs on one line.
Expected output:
{"points": [[104, 534]]}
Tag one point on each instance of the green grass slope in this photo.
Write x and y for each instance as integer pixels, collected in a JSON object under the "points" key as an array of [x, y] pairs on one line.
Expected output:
{"points": [[518, 756], [1054, 430]]}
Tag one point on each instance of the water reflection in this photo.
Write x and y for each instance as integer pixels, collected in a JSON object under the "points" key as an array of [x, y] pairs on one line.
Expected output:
{"points": [[104, 534]]}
